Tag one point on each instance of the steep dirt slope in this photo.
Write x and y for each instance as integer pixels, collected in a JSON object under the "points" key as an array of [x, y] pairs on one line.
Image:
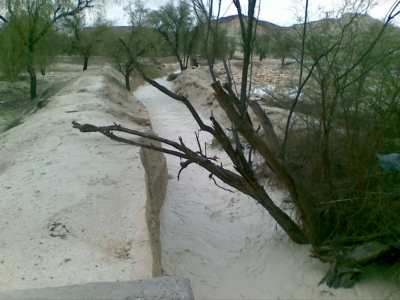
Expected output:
{"points": [[72, 205]]}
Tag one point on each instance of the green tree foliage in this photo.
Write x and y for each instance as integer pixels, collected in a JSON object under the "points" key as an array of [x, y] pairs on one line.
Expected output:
{"points": [[262, 46], [355, 98], [132, 48], [12, 54], [221, 45], [51, 45], [86, 40], [282, 46], [31, 21], [176, 25]]}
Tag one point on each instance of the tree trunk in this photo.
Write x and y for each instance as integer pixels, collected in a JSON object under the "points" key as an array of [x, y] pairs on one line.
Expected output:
{"points": [[33, 82], [180, 61], [30, 66], [85, 63], [128, 81], [32, 76], [270, 137], [186, 63], [326, 159], [293, 230], [308, 213], [283, 61]]}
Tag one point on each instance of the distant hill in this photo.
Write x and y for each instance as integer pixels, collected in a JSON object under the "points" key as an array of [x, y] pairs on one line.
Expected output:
{"points": [[232, 25], [363, 20], [234, 19], [264, 28]]}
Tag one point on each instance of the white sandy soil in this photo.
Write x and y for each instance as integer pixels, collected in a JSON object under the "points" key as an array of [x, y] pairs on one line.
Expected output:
{"points": [[224, 242], [72, 205]]}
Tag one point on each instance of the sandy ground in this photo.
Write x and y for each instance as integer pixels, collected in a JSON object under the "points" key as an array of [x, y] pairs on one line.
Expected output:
{"points": [[72, 205], [15, 103], [224, 242]]}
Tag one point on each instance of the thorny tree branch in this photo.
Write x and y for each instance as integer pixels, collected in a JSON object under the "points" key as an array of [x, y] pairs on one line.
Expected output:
{"points": [[3, 19], [392, 14], [242, 183], [182, 152], [108, 131]]}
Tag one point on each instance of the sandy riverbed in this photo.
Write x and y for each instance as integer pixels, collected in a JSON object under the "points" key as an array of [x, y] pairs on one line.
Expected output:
{"points": [[224, 242]]}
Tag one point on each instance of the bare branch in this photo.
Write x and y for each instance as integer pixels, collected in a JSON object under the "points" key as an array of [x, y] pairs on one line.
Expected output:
{"points": [[108, 131], [303, 83], [392, 14], [225, 175], [184, 165], [217, 185], [266, 124], [179, 98], [3, 19]]}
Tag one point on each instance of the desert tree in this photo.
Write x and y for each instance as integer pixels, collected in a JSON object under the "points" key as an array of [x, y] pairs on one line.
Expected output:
{"points": [[224, 46], [336, 52], [221, 47], [86, 39], [32, 20], [344, 62], [282, 45], [130, 47], [263, 46], [321, 42], [176, 24], [138, 13], [52, 44], [139, 42], [12, 51]]}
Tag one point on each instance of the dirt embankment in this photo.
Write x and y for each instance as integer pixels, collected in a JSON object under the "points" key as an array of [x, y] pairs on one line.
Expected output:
{"points": [[75, 207], [196, 85], [156, 185], [154, 163]]}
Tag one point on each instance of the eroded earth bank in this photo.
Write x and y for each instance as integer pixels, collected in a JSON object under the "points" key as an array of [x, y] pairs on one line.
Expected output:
{"points": [[226, 244], [75, 208]]}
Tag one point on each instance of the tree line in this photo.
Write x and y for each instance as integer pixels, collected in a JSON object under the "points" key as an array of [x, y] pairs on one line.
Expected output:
{"points": [[34, 32]]}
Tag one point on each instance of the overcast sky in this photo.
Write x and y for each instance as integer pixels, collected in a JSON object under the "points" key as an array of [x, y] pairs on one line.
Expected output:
{"points": [[281, 12]]}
